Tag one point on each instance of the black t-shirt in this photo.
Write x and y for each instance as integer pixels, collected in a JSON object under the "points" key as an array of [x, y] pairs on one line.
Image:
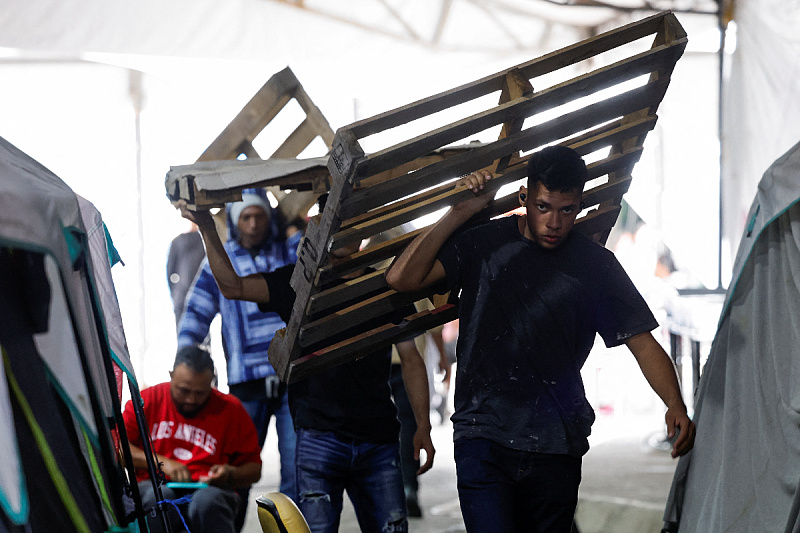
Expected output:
{"points": [[352, 400], [528, 317]]}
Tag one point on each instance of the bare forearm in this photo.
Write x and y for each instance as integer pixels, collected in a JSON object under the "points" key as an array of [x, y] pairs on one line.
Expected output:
{"points": [[226, 277], [231, 285], [657, 368], [416, 266], [415, 380]]}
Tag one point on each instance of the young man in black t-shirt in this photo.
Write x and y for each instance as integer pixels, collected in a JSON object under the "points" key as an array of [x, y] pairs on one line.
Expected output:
{"points": [[347, 427], [533, 294]]}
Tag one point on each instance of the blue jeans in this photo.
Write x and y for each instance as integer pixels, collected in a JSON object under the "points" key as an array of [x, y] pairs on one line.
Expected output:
{"points": [[506, 490], [370, 473], [261, 411]]}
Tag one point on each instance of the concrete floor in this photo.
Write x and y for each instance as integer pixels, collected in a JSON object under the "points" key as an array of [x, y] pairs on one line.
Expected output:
{"points": [[625, 483]]}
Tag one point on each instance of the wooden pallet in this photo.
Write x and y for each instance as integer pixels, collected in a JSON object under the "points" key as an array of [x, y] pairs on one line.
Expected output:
{"points": [[219, 176], [377, 192]]}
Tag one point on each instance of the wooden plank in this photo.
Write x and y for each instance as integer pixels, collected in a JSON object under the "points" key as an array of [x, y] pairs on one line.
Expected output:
{"points": [[515, 86], [410, 166], [597, 220], [544, 100], [347, 291], [368, 342], [254, 116], [365, 258], [587, 143], [297, 141], [528, 139], [313, 252], [545, 64], [450, 196], [381, 305]]}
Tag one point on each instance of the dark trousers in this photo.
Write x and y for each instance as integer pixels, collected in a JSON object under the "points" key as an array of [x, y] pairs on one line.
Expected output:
{"points": [[211, 509], [507, 490]]}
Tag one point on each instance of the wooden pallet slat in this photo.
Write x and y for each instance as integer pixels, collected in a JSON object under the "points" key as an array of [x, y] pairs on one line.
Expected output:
{"points": [[538, 135], [369, 341], [218, 176]]}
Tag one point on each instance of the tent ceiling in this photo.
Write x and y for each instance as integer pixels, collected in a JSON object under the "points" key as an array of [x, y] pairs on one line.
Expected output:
{"points": [[318, 30], [434, 23]]}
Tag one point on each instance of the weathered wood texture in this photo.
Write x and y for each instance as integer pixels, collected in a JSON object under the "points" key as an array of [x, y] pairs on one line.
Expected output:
{"points": [[604, 113], [218, 176]]}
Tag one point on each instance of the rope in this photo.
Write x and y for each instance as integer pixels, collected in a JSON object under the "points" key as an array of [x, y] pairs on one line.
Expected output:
{"points": [[178, 501]]}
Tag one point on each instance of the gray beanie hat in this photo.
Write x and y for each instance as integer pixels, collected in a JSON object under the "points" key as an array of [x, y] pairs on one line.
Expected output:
{"points": [[248, 199]]}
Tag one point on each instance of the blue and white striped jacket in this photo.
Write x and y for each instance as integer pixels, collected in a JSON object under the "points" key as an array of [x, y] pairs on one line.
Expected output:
{"points": [[246, 331]]}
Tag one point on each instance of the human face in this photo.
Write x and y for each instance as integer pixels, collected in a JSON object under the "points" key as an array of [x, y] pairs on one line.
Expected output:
{"points": [[190, 390], [253, 224], [549, 215]]}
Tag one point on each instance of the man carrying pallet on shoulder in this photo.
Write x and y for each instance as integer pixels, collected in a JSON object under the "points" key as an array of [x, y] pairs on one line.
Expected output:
{"points": [[533, 295]]}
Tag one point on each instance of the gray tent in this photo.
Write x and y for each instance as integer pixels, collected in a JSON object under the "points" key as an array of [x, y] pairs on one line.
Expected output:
{"points": [[744, 470], [66, 462]]}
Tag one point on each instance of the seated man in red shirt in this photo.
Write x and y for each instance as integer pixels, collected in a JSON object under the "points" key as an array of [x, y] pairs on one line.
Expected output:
{"points": [[199, 435]]}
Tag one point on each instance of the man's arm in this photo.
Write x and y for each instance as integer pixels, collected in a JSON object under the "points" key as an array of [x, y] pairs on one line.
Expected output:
{"points": [[231, 285], [417, 267], [415, 380], [174, 470], [659, 371]]}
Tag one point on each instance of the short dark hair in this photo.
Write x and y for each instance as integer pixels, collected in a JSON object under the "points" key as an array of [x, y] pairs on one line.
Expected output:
{"points": [[558, 168], [197, 358]]}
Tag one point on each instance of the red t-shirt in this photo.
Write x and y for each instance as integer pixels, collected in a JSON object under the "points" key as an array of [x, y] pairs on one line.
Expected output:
{"points": [[222, 433]]}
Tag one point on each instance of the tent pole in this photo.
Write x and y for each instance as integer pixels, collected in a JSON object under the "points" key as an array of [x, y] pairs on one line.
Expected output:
{"points": [[723, 26], [152, 467]]}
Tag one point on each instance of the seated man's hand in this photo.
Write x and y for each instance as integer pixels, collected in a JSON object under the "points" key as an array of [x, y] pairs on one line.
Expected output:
{"points": [[176, 471], [219, 476]]}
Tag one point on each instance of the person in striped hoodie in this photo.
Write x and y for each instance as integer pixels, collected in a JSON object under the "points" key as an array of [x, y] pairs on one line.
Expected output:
{"points": [[257, 243]]}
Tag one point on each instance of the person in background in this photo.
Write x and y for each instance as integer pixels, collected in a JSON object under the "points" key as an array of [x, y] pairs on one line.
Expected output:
{"points": [[257, 243], [185, 255], [198, 435]]}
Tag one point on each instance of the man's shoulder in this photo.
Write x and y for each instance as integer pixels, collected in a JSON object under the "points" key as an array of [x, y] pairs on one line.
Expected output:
{"points": [[155, 394], [587, 255], [158, 388]]}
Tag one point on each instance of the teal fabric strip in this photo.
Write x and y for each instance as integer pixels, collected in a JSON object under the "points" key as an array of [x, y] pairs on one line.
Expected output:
{"points": [[113, 254]]}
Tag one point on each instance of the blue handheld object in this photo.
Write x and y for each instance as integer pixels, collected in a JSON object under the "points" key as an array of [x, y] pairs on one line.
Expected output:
{"points": [[186, 485]]}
